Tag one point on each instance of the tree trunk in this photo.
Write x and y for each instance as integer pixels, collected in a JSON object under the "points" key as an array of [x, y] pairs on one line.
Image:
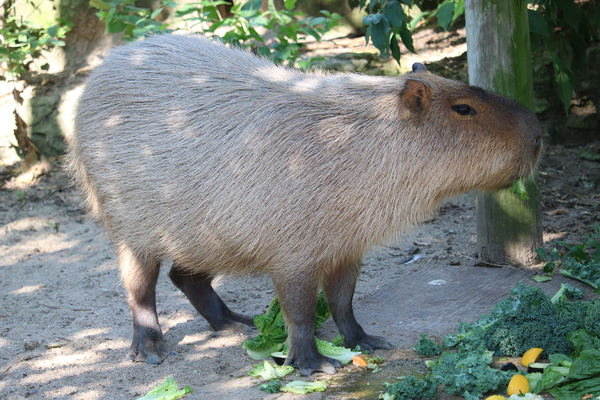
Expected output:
{"points": [[509, 229]]}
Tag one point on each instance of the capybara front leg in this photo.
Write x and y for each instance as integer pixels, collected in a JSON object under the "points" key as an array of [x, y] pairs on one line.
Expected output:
{"points": [[298, 296], [139, 277], [206, 301], [339, 289]]}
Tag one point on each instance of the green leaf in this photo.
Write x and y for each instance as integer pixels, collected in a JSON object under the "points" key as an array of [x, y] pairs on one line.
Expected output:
{"points": [[394, 13], [372, 5], [413, 22], [565, 89], [459, 9], [406, 36], [395, 48], [303, 387], [289, 4], [53, 30], [268, 371], [100, 5], [541, 278], [250, 8], [444, 14], [571, 12], [541, 252], [166, 391], [537, 23], [156, 12], [380, 35], [115, 26]]}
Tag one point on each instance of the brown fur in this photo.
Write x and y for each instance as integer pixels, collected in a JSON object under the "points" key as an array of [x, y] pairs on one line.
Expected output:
{"points": [[226, 163]]}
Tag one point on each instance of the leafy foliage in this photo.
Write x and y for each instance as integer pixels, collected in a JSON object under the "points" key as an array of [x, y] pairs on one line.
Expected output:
{"points": [[562, 28], [125, 16], [387, 23], [581, 261], [290, 28], [21, 43]]}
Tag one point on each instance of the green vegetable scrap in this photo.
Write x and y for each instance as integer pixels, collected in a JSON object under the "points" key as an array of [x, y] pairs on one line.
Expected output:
{"points": [[528, 318], [519, 188], [569, 378], [342, 354], [412, 388], [272, 333], [468, 373], [268, 371], [273, 386], [166, 391], [427, 347], [303, 387], [272, 330]]}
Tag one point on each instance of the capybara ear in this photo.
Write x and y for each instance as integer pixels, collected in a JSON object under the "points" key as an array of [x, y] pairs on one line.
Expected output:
{"points": [[415, 96]]}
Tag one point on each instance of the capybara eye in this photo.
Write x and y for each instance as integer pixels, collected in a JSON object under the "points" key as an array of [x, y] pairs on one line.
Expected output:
{"points": [[464, 109]]}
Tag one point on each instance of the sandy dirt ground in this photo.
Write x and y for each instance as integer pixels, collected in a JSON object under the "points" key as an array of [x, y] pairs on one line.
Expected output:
{"points": [[65, 324]]}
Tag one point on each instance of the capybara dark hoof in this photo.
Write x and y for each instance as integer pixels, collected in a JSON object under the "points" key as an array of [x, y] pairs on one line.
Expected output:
{"points": [[369, 342], [140, 354], [308, 365]]}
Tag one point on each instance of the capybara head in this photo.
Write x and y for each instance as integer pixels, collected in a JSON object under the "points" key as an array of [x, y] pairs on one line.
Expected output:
{"points": [[474, 126]]}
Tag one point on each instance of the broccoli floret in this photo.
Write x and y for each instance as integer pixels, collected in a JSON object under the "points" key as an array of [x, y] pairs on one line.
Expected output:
{"points": [[427, 347], [412, 388], [468, 373]]}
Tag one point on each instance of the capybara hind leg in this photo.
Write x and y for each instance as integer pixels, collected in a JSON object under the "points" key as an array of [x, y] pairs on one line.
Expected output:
{"points": [[139, 277], [339, 289], [298, 298], [207, 302]]}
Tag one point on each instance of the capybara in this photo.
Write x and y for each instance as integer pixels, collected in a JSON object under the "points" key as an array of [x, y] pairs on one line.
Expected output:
{"points": [[228, 164]]}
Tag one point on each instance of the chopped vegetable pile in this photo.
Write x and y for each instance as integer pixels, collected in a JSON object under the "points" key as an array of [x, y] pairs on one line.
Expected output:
{"points": [[528, 318], [272, 332], [527, 323]]}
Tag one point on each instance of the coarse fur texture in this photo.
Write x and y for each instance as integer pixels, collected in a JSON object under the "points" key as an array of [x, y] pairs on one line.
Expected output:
{"points": [[226, 163]]}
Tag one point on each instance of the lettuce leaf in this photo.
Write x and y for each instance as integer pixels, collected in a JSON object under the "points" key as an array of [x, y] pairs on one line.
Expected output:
{"points": [[166, 391]]}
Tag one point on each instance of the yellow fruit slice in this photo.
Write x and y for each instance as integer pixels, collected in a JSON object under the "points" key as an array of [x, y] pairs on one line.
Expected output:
{"points": [[496, 397], [531, 356], [518, 385]]}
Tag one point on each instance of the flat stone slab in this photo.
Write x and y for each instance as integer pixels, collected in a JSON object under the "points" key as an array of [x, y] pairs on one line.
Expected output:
{"points": [[434, 300]]}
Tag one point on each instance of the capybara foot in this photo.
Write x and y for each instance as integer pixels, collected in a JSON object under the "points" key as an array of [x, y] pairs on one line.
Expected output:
{"points": [[237, 323], [149, 352], [368, 343], [307, 365]]}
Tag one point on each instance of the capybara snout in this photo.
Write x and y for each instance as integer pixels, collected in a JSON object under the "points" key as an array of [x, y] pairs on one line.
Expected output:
{"points": [[228, 164]]}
